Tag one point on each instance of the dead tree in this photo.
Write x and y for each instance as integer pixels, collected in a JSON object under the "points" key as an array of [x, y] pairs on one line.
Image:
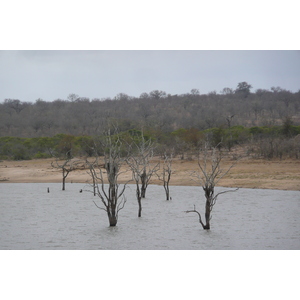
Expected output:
{"points": [[208, 176], [67, 166], [141, 153], [142, 170], [135, 163], [165, 176], [137, 167], [148, 171], [91, 167], [112, 197]]}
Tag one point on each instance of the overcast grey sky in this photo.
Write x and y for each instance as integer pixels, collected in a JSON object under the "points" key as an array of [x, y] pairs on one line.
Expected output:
{"points": [[150, 25], [49, 75]]}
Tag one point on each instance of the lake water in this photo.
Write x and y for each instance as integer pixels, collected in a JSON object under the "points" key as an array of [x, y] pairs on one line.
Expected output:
{"points": [[31, 218]]}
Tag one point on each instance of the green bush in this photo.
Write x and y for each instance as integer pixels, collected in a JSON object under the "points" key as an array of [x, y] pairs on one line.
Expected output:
{"points": [[41, 155], [20, 153]]}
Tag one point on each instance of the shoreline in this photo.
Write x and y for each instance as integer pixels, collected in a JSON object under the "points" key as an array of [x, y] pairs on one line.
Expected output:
{"points": [[247, 173]]}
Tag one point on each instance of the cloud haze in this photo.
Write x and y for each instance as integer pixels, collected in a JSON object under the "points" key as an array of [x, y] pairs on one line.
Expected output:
{"points": [[49, 75]]}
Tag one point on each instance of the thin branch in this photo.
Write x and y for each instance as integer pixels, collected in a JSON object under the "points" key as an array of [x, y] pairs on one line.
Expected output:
{"points": [[100, 207], [214, 199], [195, 211], [119, 207]]}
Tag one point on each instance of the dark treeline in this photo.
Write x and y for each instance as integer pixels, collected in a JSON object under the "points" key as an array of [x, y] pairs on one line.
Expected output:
{"points": [[267, 142], [163, 116]]}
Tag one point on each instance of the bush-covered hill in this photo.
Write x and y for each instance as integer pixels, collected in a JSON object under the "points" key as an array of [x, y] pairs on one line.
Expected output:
{"points": [[267, 122], [156, 111]]}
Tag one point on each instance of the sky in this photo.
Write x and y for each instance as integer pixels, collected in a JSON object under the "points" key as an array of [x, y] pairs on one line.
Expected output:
{"points": [[98, 50], [28, 75]]}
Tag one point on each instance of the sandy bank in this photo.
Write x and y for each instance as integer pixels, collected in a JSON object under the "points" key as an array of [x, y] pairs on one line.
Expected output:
{"points": [[247, 173]]}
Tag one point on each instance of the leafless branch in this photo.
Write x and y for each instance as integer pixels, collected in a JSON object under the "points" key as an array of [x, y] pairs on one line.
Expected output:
{"points": [[100, 206], [199, 215], [121, 204]]}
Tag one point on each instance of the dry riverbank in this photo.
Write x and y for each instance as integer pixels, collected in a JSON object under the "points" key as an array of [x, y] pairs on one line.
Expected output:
{"points": [[248, 173]]}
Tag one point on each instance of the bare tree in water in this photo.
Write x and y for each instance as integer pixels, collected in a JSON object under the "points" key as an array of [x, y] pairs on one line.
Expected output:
{"points": [[135, 164], [145, 153], [208, 176], [139, 162], [68, 165], [112, 197], [137, 167], [143, 150], [166, 173]]}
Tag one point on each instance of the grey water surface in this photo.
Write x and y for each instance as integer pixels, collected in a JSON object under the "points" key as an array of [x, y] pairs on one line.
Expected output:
{"points": [[31, 218]]}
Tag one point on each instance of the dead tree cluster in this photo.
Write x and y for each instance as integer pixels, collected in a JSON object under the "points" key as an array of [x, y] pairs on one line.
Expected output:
{"points": [[106, 170]]}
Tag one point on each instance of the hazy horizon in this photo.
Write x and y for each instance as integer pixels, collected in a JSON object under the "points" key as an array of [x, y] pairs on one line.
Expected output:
{"points": [[54, 74]]}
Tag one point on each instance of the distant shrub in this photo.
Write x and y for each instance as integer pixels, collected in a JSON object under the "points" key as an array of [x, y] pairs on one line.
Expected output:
{"points": [[20, 153], [41, 155], [256, 130], [4, 157]]}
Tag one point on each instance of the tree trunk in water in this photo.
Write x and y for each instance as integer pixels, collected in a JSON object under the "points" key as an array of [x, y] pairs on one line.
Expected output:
{"points": [[112, 220], [207, 215], [112, 213], [144, 185], [166, 187], [63, 183], [140, 208], [143, 191], [65, 174]]}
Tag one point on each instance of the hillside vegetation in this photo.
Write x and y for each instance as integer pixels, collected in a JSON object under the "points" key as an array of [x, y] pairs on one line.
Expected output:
{"points": [[266, 122]]}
